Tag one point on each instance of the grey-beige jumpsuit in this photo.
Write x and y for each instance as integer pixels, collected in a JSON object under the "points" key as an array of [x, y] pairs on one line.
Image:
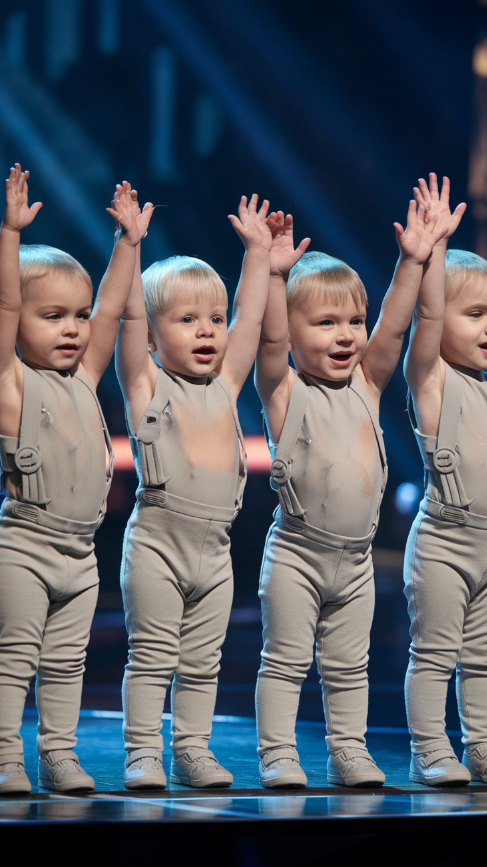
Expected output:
{"points": [[445, 570], [56, 484], [317, 576], [176, 578]]}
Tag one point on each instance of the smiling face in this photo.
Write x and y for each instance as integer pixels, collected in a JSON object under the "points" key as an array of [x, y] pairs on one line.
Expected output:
{"points": [[327, 340], [54, 327], [190, 336], [464, 339]]}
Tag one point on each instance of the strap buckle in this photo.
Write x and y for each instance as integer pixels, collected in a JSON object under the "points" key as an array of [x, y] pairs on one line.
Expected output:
{"points": [[280, 471], [445, 460], [27, 459]]}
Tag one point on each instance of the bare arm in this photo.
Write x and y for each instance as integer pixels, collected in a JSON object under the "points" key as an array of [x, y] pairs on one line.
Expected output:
{"points": [[424, 368], [136, 370], [273, 375], [115, 286], [251, 296], [17, 216], [384, 347]]}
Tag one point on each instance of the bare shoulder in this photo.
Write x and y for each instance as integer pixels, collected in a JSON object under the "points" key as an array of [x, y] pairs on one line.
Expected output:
{"points": [[276, 406], [11, 397], [428, 398]]}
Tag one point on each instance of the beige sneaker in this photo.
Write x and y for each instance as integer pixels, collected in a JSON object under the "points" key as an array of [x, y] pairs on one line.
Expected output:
{"points": [[438, 768], [60, 771], [475, 760], [199, 769], [13, 777], [280, 768], [354, 767], [143, 770]]}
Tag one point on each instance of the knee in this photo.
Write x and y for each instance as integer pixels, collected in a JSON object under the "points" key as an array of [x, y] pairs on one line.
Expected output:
{"points": [[295, 670]]}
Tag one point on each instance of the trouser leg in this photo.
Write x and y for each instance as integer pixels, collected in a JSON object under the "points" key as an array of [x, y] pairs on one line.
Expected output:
{"points": [[154, 606], [193, 694], [471, 684], [438, 597], [61, 666], [24, 603], [342, 645], [290, 611]]}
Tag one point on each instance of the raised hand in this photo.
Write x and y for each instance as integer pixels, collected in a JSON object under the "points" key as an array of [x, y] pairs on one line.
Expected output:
{"points": [[420, 236], [17, 212], [251, 225], [436, 204], [125, 210], [283, 254]]}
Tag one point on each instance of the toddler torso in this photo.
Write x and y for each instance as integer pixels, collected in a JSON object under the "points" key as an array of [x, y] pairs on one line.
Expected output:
{"points": [[72, 446]]}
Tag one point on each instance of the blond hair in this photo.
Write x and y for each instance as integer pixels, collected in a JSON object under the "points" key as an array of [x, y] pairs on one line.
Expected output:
{"points": [[325, 279], [165, 281], [38, 260], [462, 271]]}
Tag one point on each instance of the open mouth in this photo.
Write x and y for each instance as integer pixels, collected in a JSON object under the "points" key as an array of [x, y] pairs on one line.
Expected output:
{"points": [[204, 352], [341, 358], [67, 348]]}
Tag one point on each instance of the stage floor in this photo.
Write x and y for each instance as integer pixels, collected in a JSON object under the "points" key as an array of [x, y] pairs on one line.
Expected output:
{"points": [[101, 752]]}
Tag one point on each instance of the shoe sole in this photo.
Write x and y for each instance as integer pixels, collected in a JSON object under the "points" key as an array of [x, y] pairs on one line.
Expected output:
{"points": [[361, 784], [198, 784], [66, 787], [141, 785], [16, 788], [282, 784], [455, 781]]}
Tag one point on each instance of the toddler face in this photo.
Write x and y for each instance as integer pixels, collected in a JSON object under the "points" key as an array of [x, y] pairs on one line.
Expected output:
{"points": [[464, 339], [54, 326], [191, 337], [327, 341]]}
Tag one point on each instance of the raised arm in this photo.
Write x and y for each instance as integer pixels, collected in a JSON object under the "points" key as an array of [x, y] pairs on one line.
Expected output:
{"points": [[115, 286], [273, 376], [424, 368], [17, 215], [415, 245], [136, 370], [251, 295]]}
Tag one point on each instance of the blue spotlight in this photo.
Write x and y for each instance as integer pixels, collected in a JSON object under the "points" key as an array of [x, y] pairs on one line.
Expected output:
{"points": [[407, 496]]}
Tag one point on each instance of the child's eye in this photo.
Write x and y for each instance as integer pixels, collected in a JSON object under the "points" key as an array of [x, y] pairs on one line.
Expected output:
{"points": [[326, 322], [187, 319], [217, 320], [53, 316], [356, 322], [84, 315], [476, 314]]}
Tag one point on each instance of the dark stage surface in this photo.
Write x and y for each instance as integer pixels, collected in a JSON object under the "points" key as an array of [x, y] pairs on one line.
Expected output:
{"points": [[246, 815]]}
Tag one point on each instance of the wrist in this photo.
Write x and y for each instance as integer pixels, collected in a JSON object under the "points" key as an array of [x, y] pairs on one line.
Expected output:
{"points": [[279, 275], [256, 252], [6, 228]]}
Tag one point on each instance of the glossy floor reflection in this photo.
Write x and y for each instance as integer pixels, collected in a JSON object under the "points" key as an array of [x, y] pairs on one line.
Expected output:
{"points": [[101, 752]]}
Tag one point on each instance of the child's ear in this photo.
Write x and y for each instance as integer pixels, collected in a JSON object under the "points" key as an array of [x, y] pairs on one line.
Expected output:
{"points": [[151, 345]]}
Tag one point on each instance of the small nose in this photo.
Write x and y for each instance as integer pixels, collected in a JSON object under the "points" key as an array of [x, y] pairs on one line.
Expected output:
{"points": [[71, 325], [206, 327], [345, 333]]}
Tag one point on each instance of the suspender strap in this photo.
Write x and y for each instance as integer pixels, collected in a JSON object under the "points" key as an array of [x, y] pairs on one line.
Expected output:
{"points": [[27, 457], [143, 443], [224, 385], [357, 386], [82, 377], [282, 463], [442, 458]]}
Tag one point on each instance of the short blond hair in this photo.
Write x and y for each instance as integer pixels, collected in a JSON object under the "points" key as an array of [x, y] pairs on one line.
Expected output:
{"points": [[325, 279], [38, 260], [462, 270], [164, 281]]}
